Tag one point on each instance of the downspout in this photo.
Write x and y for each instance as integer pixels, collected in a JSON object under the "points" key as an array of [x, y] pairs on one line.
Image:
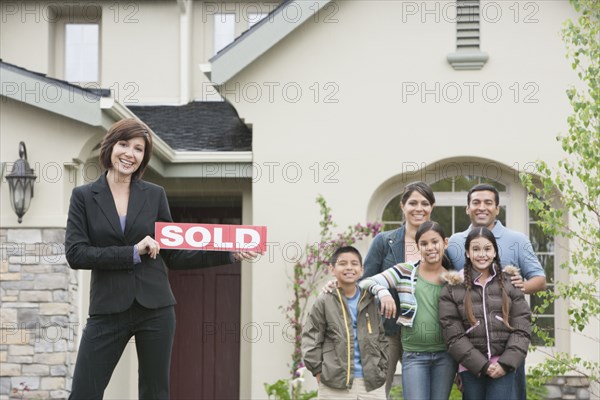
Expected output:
{"points": [[185, 8]]}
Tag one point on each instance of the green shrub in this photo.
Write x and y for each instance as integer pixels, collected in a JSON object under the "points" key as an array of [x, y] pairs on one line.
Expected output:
{"points": [[533, 392]]}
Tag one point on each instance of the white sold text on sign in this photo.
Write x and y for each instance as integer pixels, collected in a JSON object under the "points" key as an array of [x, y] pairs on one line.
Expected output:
{"points": [[216, 237]]}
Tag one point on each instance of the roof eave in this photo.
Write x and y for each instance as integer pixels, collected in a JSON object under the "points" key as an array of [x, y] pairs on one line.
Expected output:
{"points": [[53, 96], [261, 38]]}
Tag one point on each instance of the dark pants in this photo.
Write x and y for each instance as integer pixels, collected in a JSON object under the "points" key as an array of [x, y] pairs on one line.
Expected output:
{"points": [[486, 388], [102, 344]]}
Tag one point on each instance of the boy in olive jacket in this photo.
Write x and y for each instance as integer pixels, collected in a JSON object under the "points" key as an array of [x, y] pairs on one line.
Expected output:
{"points": [[343, 341]]}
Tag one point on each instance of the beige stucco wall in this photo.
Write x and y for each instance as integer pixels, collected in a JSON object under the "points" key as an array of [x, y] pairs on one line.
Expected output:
{"points": [[53, 142], [24, 35], [140, 54], [376, 131]]}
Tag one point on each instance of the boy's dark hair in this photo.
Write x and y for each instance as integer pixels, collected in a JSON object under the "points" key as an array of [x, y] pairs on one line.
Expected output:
{"points": [[343, 250], [482, 187]]}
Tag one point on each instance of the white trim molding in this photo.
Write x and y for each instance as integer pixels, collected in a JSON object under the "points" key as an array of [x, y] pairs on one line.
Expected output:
{"points": [[260, 38], [463, 60]]}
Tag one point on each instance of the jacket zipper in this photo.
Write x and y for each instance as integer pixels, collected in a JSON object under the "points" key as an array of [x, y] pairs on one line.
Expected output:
{"points": [[487, 332], [347, 334]]}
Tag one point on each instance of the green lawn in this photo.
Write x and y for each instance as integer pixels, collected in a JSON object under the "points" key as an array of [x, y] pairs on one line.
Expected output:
{"points": [[396, 393]]}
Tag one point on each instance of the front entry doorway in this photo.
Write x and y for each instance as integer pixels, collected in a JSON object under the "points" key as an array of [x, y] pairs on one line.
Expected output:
{"points": [[206, 354]]}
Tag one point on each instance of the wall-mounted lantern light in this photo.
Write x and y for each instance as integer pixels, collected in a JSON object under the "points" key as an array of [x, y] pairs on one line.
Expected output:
{"points": [[20, 183]]}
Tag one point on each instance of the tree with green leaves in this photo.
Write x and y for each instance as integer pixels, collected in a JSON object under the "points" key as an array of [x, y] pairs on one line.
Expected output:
{"points": [[566, 199]]}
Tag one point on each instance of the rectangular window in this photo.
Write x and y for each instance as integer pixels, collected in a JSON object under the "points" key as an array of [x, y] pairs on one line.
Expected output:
{"points": [[224, 32], [81, 52]]}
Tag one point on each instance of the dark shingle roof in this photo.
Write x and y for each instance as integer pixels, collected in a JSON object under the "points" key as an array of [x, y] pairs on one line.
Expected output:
{"points": [[198, 126]]}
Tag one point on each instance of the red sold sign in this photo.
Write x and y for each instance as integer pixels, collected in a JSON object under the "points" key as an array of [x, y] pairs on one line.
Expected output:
{"points": [[217, 237]]}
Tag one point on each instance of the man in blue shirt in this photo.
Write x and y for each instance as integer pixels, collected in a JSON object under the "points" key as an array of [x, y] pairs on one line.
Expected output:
{"points": [[515, 249]]}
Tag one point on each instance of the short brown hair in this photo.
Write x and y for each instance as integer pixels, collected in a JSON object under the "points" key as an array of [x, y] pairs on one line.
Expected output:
{"points": [[126, 129]]}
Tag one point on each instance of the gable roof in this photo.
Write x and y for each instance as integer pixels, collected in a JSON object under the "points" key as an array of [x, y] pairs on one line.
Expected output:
{"points": [[51, 94], [288, 16], [93, 93], [197, 126]]}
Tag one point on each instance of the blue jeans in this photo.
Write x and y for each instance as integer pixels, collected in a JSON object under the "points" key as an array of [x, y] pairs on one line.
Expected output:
{"points": [[486, 388], [520, 389], [427, 376]]}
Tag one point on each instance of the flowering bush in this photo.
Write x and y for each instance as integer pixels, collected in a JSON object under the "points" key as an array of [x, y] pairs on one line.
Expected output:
{"points": [[308, 273]]}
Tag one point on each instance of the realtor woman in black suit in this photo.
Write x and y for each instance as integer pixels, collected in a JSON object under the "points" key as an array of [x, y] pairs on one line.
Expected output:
{"points": [[110, 231]]}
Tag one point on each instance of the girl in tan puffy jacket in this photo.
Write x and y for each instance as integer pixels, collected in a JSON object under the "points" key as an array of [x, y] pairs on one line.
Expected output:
{"points": [[485, 320]]}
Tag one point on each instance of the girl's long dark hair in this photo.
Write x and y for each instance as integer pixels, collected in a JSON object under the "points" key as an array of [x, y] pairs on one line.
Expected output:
{"points": [[436, 227], [494, 268]]}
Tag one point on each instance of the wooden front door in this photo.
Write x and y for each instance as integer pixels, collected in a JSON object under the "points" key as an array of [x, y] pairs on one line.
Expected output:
{"points": [[206, 354]]}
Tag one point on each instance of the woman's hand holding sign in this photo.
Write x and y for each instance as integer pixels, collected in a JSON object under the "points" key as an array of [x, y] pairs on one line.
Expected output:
{"points": [[148, 246]]}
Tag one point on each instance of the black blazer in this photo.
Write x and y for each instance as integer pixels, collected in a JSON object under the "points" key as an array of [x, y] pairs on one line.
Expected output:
{"points": [[95, 241]]}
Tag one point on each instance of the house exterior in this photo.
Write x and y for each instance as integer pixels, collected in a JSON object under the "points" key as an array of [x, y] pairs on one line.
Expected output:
{"points": [[351, 100]]}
